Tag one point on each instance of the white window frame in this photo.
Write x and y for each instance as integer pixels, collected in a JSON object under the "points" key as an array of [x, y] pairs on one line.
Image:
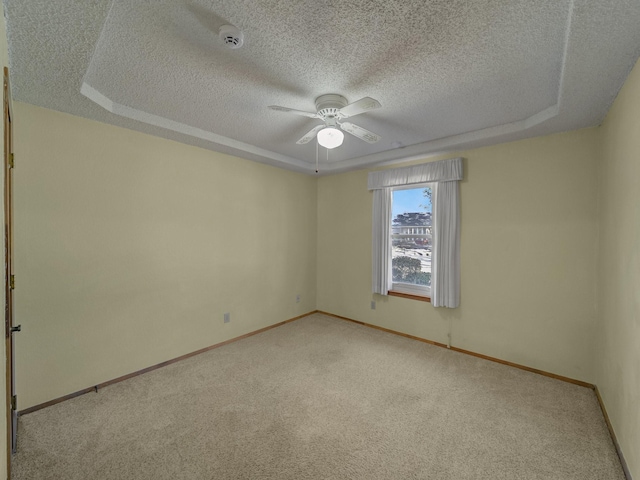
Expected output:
{"points": [[401, 287]]}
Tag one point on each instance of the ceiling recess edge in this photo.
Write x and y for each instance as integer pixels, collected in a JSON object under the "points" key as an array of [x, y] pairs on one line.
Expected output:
{"points": [[387, 157]]}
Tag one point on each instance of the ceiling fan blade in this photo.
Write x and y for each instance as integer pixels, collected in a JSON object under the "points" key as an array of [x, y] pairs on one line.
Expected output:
{"points": [[361, 133], [356, 108], [295, 112], [310, 135]]}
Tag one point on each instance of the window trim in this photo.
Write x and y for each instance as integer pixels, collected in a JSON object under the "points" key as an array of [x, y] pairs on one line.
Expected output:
{"points": [[393, 293], [400, 289]]}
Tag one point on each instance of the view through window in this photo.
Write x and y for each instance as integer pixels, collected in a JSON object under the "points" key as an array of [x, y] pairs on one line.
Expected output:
{"points": [[411, 240]]}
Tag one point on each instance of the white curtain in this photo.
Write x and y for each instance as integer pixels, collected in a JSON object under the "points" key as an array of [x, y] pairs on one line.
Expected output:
{"points": [[381, 244], [445, 260]]}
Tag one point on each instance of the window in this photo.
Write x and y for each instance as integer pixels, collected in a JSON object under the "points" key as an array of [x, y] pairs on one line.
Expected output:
{"points": [[411, 240], [442, 283]]}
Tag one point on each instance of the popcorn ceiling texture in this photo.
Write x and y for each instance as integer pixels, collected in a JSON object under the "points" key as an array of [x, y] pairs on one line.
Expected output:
{"points": [[442, 69]]}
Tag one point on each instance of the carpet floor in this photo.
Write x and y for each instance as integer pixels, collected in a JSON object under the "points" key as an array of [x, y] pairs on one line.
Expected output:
{"points": [[321, 398]]}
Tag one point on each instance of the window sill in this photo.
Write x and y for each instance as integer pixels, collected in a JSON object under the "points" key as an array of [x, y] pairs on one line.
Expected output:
{"points": [[391, 293]]}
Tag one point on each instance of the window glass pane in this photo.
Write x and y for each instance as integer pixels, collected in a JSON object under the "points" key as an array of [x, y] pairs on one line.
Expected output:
{"points": [[411, 236]]}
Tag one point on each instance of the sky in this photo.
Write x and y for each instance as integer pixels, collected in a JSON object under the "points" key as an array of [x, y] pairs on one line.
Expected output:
{"points": [[409, 201]]}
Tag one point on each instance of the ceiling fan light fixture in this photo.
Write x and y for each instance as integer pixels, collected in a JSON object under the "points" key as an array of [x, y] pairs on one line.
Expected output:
{"points": [[330, 137]]}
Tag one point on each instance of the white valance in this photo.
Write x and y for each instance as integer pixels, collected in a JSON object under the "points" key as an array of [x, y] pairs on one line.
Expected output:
{"points": [[441, 171]]}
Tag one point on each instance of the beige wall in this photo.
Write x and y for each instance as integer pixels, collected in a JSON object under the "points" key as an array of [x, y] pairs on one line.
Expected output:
{"points": [[528, 248], [130, 248], [4, 62], [618, 335]]}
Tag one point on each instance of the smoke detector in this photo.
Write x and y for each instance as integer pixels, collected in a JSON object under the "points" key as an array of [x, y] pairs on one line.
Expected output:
{"points": [[231, 36]]}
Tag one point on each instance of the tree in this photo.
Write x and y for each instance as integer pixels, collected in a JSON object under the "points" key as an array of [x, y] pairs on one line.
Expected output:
{"points": [[409, 270], [412, 219], [405, 269], [427, 194]]}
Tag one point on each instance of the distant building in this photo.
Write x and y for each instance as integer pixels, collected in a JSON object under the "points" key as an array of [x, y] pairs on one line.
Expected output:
{"points": [[412, 229]]}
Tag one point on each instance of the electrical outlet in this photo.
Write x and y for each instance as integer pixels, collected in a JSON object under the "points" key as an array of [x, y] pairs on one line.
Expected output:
{"points": [[227, 317], [298, 298], [373, 304]]}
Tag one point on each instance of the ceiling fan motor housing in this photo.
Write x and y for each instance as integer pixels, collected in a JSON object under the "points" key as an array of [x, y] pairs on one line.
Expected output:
{"points": [[328, 105]]}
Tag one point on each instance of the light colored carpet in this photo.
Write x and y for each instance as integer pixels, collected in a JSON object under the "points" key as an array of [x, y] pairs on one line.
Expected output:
{"points": [[321, 398]]}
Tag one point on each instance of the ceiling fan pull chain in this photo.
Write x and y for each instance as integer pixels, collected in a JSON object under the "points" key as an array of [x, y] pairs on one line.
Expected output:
{"points": [[317, 155]]}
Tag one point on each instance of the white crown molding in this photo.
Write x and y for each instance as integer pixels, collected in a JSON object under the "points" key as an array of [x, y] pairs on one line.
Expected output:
{"points": [[387, 157]]}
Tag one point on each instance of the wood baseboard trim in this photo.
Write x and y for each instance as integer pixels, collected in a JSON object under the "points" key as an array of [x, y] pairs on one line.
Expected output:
{"points": [[623, 462], [376, 327], [412, 337], [97, 387], [467, 352]]}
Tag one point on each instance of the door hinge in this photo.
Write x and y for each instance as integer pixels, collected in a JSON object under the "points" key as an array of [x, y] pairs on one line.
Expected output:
{"points": [[12, 282], [11, 160], [14, 402]]}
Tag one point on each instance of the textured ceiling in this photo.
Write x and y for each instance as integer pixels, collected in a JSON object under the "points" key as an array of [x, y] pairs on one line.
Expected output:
{"points": [[448, 73]]}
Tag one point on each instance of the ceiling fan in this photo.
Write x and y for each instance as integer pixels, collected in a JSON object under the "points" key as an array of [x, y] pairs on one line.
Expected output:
{"points": [[332, 109]]}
